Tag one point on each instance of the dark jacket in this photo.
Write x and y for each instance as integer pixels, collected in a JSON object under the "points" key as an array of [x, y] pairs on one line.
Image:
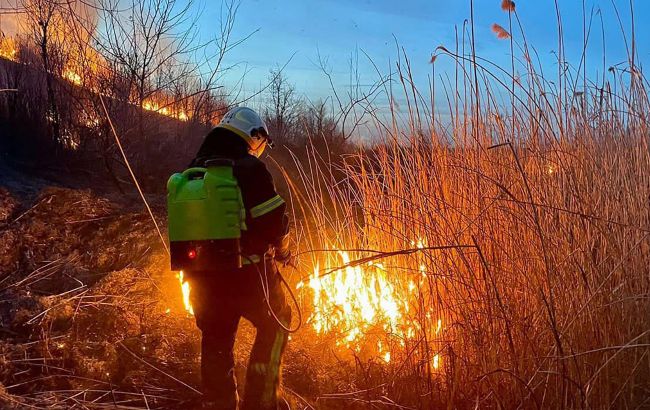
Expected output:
{"points": [[266, 219]]}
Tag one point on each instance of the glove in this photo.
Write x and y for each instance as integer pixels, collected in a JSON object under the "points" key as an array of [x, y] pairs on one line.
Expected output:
{"points": [[285, 257]]}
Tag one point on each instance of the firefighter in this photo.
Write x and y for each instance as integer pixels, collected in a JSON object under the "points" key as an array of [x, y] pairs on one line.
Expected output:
{"points": [[220, 298]]}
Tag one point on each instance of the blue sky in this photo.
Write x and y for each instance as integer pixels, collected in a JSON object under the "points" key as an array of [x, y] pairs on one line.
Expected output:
{"points": [[337, 29]]}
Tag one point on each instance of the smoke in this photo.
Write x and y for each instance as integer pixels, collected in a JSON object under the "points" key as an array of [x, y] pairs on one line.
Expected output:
{"points": [[14, 14]]}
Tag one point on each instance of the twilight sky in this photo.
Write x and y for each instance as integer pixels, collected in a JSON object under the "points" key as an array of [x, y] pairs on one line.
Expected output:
{"points": [[337, 29]]}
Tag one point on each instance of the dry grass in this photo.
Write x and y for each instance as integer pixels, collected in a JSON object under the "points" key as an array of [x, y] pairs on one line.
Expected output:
{"points": [[544, 198], [90, 315], [532, 199]]}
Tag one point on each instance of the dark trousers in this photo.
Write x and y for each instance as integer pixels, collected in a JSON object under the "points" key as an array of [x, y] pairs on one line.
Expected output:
{"points": [[219, 300]]}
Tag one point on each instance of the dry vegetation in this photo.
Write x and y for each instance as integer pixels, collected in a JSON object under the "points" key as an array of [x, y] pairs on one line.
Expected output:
{"points": [[514, 239], [506, 245]]}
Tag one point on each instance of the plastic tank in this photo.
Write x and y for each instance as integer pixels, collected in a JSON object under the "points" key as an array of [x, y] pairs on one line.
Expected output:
{"points": [[205, 217]]}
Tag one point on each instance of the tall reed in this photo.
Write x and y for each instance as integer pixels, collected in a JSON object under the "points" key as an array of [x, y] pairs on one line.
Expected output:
{"points": [[544, 204]]}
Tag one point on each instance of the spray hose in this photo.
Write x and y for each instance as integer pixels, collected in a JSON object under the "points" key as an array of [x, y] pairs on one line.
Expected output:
{"points": [[264, 282]]}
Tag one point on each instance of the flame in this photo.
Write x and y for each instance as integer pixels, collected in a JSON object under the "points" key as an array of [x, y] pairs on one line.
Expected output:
{"points": [[185, 288], [164, 109], [551, 168], [355, 299], [72, 76], [357, 303], [84, 66], [386, 357], [8, 49], [436, 361]]}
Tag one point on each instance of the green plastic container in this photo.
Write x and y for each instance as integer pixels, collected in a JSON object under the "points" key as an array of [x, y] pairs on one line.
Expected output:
{"points": [[205, 217]]}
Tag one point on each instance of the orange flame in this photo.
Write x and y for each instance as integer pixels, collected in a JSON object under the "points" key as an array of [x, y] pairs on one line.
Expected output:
{"points": [[185, 289], [164, 109], [83, 66], [356, 301], [8, 49], [436, 361], [72, 76]]}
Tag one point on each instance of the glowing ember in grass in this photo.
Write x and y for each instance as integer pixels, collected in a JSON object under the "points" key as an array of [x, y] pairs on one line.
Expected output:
{"points": [[551, 169], [436, 361], [185, 288]]}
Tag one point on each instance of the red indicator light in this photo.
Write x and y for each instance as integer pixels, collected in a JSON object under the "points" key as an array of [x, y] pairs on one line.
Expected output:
{"points": [[191, 254]]}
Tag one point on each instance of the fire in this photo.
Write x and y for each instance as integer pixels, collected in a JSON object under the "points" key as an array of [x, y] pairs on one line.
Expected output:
{"points": [[164, 109], [436, 361], [150, 106], [185, 289], [357, 303], [72, 76], [355, 299], [84, 67], [8, 49], [551, 168]]}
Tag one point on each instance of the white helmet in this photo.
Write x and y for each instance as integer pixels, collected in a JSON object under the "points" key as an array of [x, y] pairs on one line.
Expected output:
{"points": [[249, 126]]}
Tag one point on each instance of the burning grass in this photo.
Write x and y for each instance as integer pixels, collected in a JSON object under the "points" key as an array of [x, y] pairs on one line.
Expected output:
{"points": [[8, 48], [542, 288], [90, 314], [432, 274], [495, 258]]}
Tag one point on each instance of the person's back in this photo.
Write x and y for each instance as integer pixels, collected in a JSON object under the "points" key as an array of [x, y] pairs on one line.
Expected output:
{"points": [[221, 297]]}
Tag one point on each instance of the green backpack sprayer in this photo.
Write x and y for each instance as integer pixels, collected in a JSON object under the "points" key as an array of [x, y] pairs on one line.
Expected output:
{"points": [[205, 216]]}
